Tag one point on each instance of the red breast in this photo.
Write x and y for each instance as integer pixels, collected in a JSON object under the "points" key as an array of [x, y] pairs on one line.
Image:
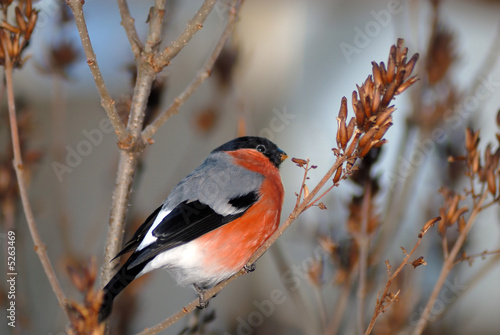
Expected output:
{"points": [[228, 248]]}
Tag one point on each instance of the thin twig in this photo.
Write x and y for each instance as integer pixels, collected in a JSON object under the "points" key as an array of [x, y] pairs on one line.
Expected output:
{"points": [[39, 246], [447, 266], [195, 24], [128, 24], [382, 303], [106, 101], [200, 77]]}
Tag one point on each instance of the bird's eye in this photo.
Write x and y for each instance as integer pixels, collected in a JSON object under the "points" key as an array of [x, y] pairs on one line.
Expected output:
{"points": [[261, 148]]}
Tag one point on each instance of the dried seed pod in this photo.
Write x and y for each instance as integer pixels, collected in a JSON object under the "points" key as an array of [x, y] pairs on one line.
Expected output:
{"points": [[350, 128], [299, 161], [471, 139], [419, 261], [381, 132], [400, 52], [377, 77], [343, 108], [458, 214], [384, 116], [475, 164], [338, 174], [354, 143], [342, 133], [391, 67], [360, 114], [306, 191], [490, 179], [428, 225], [389, 93], [15, 46], [399, 77], [365, 150], [378, 143], [406, 84], [367, 106], [7, 26], [31, 24], [383, 73], [376, 99], [452, 208], [28, 8], [410, 66], [20, 19], [461, 224], [367, 137]]}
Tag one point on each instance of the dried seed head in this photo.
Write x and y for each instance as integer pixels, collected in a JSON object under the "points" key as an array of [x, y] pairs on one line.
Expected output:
{"points": [[441, 54], [428, 225], [299, 161], [419, 261]]}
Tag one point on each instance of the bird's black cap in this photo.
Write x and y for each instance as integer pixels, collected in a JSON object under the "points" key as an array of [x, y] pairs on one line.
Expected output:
{"points": [[261, 144]]}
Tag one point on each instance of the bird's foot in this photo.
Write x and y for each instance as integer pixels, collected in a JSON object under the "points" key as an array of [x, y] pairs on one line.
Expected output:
{"points": [[203, 303], [249, 268]]}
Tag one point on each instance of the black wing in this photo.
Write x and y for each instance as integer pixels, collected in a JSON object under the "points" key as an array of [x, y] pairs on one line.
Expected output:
{"points": [[139, 234], [188, 221]]}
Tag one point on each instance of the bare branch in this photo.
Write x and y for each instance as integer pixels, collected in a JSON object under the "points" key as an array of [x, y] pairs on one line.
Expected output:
{"points": [[200, 77], [106, 101], [196, 23], [39, 246], [128, 24]]}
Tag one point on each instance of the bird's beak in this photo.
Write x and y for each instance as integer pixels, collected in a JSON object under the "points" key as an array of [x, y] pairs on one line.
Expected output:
{"points": [[283, 156]]}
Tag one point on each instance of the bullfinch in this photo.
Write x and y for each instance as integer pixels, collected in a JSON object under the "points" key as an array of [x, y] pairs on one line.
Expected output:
{"points": [[211, 223]]}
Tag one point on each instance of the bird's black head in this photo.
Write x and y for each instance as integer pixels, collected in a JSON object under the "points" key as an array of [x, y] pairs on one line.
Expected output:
{"points": [[261, 144]]}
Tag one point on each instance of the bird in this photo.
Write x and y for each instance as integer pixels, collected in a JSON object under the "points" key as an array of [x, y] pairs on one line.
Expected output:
{"points": [[211, 223]]}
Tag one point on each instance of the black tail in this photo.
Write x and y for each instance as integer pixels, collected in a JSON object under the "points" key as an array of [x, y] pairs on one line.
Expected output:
{"points": [[120, 280]]}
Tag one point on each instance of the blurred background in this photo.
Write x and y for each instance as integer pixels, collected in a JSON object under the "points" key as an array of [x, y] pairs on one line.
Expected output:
{"points": [[282, 76]]}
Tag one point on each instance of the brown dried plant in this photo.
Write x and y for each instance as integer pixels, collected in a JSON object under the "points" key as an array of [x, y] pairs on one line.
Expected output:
{"points": [[15, 37], [84, 316], [483, 172]]}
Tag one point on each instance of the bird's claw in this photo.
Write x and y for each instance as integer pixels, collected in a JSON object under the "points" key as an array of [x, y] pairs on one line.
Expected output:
{"points": [[249, 268], [203, 303]]}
